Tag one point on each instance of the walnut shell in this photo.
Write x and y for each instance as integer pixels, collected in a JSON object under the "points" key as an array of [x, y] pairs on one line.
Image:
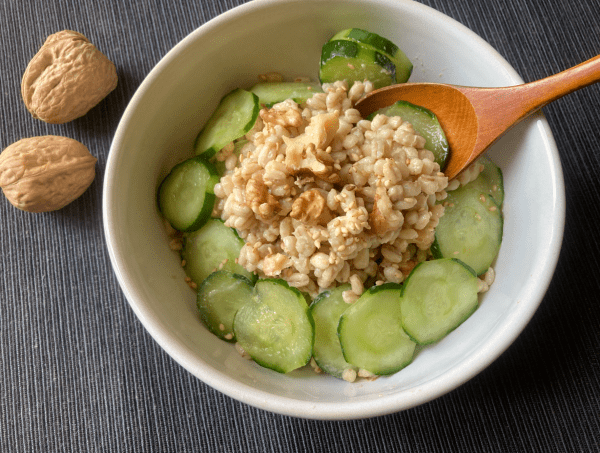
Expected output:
{"points": [[46, 173], [66, 78]]}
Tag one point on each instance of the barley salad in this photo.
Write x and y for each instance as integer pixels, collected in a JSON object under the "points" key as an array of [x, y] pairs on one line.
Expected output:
{"points": [[313, 235]]}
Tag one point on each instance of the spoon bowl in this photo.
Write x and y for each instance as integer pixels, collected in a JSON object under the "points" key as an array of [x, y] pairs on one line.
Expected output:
{"points": [[474, 118]]}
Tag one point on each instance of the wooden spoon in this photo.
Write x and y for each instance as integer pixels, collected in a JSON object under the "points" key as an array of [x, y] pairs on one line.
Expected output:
{"points": [[474, 118]]}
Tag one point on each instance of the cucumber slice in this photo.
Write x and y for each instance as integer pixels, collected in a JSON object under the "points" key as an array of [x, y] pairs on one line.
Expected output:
{"points": [[353, 61], [219, 297], [206, 249], [470, 229], [276, 327], [490, 180], [186, 196], [436, 298], [371, 333], [403, 65], [326, 310], [270, 93], [234, 117], [425, 124]]}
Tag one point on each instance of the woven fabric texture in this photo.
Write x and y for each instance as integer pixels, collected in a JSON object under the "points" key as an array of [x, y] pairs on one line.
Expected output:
{"points": [[78, 372]]}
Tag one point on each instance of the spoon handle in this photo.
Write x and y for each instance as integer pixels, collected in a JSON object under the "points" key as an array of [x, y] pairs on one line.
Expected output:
{"points": [[498, 109], [541, 92]]}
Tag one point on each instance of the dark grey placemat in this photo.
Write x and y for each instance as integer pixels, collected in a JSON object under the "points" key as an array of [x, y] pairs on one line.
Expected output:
{"points": [[79, 373]]}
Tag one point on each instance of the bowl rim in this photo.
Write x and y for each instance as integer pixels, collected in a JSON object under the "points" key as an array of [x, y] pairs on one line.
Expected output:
{"points": [[496, 344]]}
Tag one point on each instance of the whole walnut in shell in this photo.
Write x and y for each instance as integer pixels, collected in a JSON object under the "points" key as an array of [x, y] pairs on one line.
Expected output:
{"points": [[66, 78], [46, 173]]}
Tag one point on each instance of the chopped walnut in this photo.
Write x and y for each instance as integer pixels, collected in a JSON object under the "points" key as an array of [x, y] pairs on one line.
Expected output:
{"points": [[285, 114], [308, 151], [311, 207], [377, 219], [275, 263], [262, 202], [322, 129], [324, 156], [299, 158], [382, 218]]}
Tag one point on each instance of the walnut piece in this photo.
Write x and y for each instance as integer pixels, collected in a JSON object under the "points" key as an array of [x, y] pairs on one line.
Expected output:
{"points": [[383, 218], [322, 129], [66, 78], [40, 174], [286, 114], [275, 263], [311, 207], [299, 158], [262, 202], [308, 152]]}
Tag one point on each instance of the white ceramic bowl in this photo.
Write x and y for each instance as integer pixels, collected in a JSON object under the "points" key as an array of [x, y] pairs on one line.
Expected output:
{"points": [[158, 129]]}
